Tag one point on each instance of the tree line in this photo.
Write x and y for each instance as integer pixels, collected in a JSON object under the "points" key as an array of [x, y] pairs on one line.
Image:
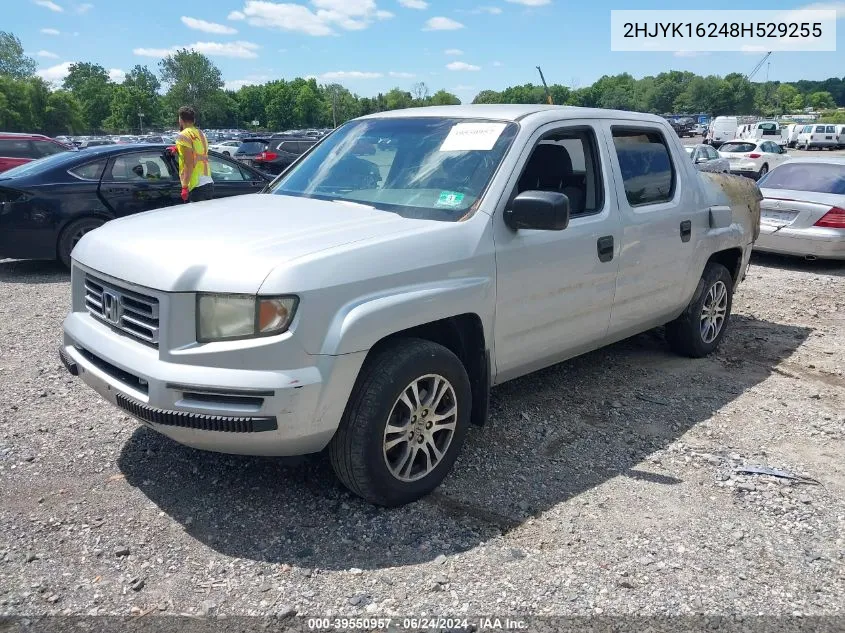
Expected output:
{"points": [[88, 101]]}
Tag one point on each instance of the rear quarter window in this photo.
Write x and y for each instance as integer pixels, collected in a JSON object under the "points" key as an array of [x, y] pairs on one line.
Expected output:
{"points": [[89, 171]]}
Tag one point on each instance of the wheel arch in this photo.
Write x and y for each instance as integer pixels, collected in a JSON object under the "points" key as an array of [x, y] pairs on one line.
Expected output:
{"points": [[731, 259], [463, 335], [84, 215]]}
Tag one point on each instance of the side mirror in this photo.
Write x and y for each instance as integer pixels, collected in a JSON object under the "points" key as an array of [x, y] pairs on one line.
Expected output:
{"points": [[539, 210]]}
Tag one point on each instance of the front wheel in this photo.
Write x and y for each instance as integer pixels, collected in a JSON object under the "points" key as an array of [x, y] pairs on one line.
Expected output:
{"points": [[227, 154], [699, 330], [763, 171], [71, 235], [404, 424]]}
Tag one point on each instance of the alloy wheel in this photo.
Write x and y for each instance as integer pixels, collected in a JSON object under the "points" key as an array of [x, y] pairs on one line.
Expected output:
{"points": [[713, 312]]}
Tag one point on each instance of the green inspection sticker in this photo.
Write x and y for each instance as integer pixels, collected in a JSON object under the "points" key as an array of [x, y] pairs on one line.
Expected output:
{"points": [[450, 199]]}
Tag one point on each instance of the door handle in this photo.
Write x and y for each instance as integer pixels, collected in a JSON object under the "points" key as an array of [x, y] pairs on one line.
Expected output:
{"points": [[686, 231], [604, 246]]}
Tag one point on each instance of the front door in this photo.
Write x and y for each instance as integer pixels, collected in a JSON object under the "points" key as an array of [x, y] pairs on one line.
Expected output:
{"points": [[231, 179], [140, 181], [554, 289]]}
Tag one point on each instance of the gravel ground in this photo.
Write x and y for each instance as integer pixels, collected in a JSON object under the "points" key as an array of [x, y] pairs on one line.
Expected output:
{"points": [[604, 485]]}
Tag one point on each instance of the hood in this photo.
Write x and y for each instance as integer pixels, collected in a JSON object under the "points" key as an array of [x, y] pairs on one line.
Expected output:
{"points": [[228, 245]]}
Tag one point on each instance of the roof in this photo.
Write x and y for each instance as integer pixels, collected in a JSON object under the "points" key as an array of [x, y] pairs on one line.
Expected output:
{"points": [[821, 158], [23, 135], [512, 112]]}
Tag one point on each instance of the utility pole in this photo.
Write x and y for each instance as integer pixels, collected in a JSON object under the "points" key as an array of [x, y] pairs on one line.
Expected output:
{"points": [[141, 121], [334, 105], [545, 87]]}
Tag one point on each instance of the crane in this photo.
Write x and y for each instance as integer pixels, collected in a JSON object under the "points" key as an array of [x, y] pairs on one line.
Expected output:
{"points": [[759, 65], [548, 94]]}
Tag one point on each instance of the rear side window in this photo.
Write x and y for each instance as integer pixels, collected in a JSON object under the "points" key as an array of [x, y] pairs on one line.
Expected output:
{"points": [[830, 129], [646, 166], [252, 147], [818, 177], [89, 171], [16, 148]]}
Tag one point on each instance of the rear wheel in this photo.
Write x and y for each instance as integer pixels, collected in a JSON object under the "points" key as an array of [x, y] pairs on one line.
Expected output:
{"points": [[763, 171], [699, 330], [227, 154], [404, 424], [71, 235]]}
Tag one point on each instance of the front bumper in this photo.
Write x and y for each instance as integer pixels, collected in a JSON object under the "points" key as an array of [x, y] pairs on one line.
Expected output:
{"points": [[238, 411], [815, 242]]}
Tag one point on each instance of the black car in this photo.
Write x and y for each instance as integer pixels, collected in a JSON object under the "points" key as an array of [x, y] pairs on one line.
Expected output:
{"points": [[47, 205], [251, 148], [281, 151]]}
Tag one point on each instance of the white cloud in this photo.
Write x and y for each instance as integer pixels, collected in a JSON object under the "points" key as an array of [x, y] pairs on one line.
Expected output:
{"points": [[55, 74], [47, 4], [50, 32], [462, 66], [351, 15], [792, 16], [242, 50], [442, 24], [207, 27], [117, 75], [531, 3], [401, 75], [349, 74], [691, 53], [463, 88], [453, 51], [480, 10], [83, 8], [414, 4], [498, 64], [252, 80], [47, 54]]}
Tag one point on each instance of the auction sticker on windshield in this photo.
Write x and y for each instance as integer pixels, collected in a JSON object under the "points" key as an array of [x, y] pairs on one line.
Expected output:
{"points": [[450, 199], [466, 137]]}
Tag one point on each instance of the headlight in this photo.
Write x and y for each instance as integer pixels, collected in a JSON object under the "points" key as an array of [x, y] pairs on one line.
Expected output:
{"points": [[229, 317]]}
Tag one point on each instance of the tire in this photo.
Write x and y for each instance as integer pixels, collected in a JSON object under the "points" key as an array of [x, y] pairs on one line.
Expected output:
{"points": [[71, 234], [763, 171], [686, 335], [357, 451], [227, 154]]}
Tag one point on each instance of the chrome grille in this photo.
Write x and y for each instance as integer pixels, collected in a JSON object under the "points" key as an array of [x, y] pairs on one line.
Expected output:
{"points": [[127, 311]]}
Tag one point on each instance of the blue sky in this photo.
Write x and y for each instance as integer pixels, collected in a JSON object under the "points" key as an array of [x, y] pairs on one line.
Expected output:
{"points": [[373, 45]]}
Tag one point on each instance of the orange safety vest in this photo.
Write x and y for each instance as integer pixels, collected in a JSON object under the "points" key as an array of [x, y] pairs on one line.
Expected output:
{"points": [[192, 139]]}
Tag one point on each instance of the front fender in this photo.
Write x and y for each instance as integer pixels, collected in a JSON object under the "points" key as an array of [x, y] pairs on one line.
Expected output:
{"points": [[362, 323]]}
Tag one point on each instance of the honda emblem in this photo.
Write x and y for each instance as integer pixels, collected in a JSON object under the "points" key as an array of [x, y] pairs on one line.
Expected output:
{"points": [[112, 308]]}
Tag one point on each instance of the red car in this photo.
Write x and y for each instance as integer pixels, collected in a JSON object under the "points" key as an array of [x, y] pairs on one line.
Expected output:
{"points": [[17, 149]]}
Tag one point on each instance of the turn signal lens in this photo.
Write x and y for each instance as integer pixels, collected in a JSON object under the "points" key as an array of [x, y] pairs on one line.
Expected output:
{"points": [[833, 219], [275, 315]]}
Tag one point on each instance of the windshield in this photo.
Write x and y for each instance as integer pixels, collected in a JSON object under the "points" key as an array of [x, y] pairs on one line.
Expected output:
{"points": [[40, 165], [689, 149], [430, 167], [738, 147], [818, 177]]}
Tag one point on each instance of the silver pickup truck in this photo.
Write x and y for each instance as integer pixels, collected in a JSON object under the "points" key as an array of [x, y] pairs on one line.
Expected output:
{"points": [[368, 300]]}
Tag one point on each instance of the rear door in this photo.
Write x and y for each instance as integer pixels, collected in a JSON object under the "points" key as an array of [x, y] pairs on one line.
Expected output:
{"points": [[231, 179], [662, 220], [140, 181]]}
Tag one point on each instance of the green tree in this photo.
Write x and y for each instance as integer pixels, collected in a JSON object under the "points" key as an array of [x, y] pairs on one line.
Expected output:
{"points": [[784, 97], [279, 103], [441, 98], [193, 80], [91, 86], [488, 96], [821, 101], [397, 99], [13, 63], [307, 105], [63, 114]]}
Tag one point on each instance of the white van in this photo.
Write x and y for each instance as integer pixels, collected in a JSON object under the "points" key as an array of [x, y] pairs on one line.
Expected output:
{"points": [[790, 134], [818, 135], [722, 129], [765, 131]]}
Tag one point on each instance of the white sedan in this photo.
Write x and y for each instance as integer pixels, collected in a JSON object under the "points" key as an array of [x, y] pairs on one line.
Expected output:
{"points": [[227, 148], [753, 158]]}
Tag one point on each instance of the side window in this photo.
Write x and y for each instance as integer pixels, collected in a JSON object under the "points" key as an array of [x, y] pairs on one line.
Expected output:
{"points": [[305, 146], [646, 166], [46, 148], [567, 161], [140, 167], [820, 129], [14, 148], [89, 171], [287, 147], [830, 129], [222, 171]]}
